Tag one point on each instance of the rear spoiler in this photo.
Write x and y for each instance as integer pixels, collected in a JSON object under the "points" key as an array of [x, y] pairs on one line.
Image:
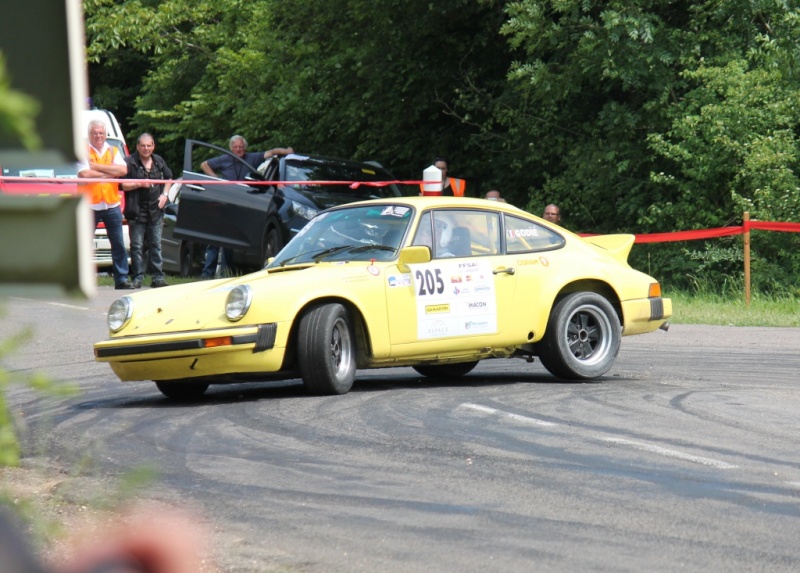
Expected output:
{"points": [[618, 246]]}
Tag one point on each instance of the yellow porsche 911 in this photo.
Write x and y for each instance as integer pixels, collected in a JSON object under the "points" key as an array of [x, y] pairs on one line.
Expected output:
{"points": [[436, 284]]}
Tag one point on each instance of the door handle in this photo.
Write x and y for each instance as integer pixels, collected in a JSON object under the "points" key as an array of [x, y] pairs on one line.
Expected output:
{"points": [[508, 271], [195, 187]]}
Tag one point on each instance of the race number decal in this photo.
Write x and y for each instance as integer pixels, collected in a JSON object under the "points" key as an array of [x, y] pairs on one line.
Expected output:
{"points": [[454, 299]]}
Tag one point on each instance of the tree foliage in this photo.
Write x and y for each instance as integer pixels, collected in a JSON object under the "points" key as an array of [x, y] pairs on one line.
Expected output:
{"points": [[632, 115], [353, 78]]}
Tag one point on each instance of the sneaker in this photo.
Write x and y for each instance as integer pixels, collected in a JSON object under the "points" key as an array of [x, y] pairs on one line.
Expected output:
{"points": [[126, 285], [158, 283], [137, 283]]}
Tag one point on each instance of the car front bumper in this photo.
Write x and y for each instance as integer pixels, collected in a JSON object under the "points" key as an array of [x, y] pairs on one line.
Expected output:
{"points": [[196, 354]]}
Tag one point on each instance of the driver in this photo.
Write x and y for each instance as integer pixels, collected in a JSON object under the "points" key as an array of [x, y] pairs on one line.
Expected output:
{"points": [[443, 231]]}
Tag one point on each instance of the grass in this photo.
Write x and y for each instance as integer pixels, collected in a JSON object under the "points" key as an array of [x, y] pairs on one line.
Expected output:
{"points": [[705, 308], [687, 307]]}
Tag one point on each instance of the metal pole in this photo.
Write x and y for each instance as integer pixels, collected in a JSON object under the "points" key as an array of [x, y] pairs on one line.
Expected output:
{"points": [[746, 221]]}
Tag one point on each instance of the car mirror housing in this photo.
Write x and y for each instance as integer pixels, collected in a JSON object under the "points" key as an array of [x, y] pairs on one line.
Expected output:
{"points": [[413, 256]]}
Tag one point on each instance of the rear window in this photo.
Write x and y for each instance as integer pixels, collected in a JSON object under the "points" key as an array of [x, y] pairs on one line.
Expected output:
{"points": [[316, 170]]}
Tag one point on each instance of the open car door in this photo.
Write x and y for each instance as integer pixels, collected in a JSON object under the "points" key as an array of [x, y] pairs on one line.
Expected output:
{"points": [[219, 212]]}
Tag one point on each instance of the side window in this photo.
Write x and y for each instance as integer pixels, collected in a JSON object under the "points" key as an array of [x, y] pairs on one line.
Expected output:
{"points": [[524, 236], [423, 236], [459, 233]]}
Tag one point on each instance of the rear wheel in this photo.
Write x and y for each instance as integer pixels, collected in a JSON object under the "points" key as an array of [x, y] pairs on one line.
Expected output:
{"points": [[582, 338], [326, 350], [446, 370], [182, 389]]}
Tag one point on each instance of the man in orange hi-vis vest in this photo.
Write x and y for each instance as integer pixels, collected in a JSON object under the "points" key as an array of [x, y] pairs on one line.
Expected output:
{"points": [[105, 162]]}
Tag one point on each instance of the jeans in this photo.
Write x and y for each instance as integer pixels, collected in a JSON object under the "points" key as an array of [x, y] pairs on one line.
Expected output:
{"points": [[151, 232], [112, 218], [210, 267]]}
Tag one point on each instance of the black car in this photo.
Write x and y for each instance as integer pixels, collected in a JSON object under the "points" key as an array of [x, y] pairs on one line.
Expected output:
{"points": [[183, 258], [257, 217]]}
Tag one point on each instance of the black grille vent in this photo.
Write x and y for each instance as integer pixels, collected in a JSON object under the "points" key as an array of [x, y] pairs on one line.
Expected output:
{"points": [[656, 308], [265, 339]]}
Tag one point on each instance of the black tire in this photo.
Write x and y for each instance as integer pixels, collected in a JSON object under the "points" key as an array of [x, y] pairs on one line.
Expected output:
{"points": [[187, 260], [272, 243], [326, 350], [446, 370], [182, 389], [582, 338]]}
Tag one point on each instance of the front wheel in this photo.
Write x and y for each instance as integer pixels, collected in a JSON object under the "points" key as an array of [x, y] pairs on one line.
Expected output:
{"points": [[446, 370], [582, 338], [326, 350], [182, 389], [187, 260], [272, 244]]}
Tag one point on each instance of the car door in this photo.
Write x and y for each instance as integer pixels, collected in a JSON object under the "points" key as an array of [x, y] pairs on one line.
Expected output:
{"points": [[218, 212], [537, 255], [463, 298]]}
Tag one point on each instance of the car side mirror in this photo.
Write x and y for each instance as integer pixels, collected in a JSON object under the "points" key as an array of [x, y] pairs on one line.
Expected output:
{"points": [[413, 256]]}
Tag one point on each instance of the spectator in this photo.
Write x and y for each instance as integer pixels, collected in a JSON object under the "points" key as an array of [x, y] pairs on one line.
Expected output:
{"points": [[552, 213], [144, 207], [105, 162], [451, 187], [226, 167], [494, 195]]}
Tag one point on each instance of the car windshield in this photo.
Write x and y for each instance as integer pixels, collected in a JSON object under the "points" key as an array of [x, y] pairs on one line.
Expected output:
{"points": [[317, 169], [358, 233]]}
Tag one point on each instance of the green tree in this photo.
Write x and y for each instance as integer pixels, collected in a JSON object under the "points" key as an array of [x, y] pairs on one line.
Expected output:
{"points": [[369, 80], [632, 115]]}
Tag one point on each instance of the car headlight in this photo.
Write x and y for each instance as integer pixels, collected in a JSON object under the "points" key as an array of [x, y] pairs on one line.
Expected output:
{"points": [[119, 313], [238, 302], [304, 211]]}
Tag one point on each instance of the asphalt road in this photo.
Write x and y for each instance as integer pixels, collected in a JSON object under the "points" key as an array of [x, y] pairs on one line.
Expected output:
{"points": [[683, 458]]}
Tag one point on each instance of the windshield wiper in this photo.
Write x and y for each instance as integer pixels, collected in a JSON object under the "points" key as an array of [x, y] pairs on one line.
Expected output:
{"points": [[316, 258], [365, 248], [331, 251]]}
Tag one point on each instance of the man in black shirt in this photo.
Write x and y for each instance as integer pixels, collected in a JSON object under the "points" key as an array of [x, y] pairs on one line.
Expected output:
{"points": [[144, 209]]}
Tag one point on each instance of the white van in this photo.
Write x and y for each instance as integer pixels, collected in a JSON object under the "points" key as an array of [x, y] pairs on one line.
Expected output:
{"points": [[113, 129]]}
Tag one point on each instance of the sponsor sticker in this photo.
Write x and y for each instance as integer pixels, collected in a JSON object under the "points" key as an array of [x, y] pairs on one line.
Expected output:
{"points": [[395, 211], [519, 233], [403, 280], [454, 299]]}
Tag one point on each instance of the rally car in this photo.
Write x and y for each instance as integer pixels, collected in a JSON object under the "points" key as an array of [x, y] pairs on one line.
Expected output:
{"points": [[437, 284]]}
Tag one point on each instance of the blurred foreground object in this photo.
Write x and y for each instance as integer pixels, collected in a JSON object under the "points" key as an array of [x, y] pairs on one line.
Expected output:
{"points": [[145, 539], [46, 246], [45, 239], [44, 52]]}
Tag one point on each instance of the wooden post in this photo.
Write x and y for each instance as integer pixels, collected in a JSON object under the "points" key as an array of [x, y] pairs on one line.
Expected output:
{"points": [[746, 221]]}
